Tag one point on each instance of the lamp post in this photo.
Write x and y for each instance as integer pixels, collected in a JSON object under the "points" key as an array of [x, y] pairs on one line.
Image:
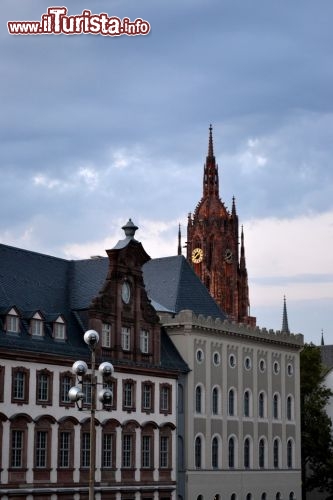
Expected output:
{"points": [[76, 394]]}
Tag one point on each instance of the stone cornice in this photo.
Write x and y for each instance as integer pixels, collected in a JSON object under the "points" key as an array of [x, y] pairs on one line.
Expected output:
{"points": [[189, 322]]}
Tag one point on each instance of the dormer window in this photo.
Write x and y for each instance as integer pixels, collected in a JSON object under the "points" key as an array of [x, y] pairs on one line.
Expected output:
{"points": [[59, 329], [37, 325], [13, 321]]}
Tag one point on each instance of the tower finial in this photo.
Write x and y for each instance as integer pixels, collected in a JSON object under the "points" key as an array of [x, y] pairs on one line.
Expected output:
{"points": [[179, 241], [210, 142], [285, 327]]}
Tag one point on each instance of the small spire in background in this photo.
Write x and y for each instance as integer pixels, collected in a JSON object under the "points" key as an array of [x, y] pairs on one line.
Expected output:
{"points": [[322, 337], [210, 142], [285, 327], [179, 241]]}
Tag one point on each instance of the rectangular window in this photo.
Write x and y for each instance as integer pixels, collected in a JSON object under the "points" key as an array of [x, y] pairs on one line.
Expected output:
{"points": [[127, 450], [86, 389], [37, 327], [59, 331], [164, 444], [19, 385], [107, 451], [66, 383], [13, 324], [144, 341], [106, 335], [43, 387], [165, 401], [147, 390], [128, 395], [41, 449], [85, 450], [17, 449], [126, 338], [64, 449], [146, 451]]}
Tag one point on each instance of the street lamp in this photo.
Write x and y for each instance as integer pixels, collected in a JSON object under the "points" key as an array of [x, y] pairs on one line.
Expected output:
{"points": [[76, 395]]}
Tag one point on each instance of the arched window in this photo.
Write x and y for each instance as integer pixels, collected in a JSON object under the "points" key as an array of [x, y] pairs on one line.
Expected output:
{"points": [[215, 453], [198, 399], [233, 496], [264, 496], [249, 496], [247, 398], [291, 495], [290, 409], [247, 449], [276, 406], [198, 450], [262, 453], [278, 496], [231, 452], [261, 408], [276, 453], [231, 402], [290, 452], [215, 401]]}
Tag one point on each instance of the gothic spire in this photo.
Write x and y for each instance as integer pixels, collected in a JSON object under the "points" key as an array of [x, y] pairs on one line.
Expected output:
{"points": [[322, 337], [211, 176], [242, 263], [179, 241], [285, 327]]}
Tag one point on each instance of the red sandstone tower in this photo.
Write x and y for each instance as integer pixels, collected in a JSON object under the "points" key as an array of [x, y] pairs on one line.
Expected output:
{"points": [[213, 246]]}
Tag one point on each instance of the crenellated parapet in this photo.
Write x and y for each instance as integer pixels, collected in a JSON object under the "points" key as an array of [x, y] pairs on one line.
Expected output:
{"points": [[189, 322]]}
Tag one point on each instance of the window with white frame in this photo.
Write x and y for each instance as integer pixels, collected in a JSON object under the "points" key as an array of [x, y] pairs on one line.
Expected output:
{"points": [[43, 382], [125, 338], [198, 399], [215, 401], [59, 330], [198, 452], [231, 452], [127, 450], [146, 451], [231, 403], [147, 396], [64, 449], [37, 327], [17, 448], [41, 449], [106, 335], [262, 453], [66, 382], [164, 452], [276, 406], [261, 405], [215, 453], [165, 398], [13, 323], [144, 341], [276, 453], [85, 449], [19, 385], [247, 453], [290, 408], [107, 450], [290, 453], [128, 395]]}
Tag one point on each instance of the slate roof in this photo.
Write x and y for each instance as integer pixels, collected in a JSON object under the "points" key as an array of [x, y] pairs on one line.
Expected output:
{"points": [[54, 286], [327, 355]]}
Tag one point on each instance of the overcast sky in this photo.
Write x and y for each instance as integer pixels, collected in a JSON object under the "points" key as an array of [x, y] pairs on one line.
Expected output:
{"points": [[95, 130]]}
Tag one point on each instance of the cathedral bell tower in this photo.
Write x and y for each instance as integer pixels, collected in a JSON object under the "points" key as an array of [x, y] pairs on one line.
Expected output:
{"points": [[213, 246]]}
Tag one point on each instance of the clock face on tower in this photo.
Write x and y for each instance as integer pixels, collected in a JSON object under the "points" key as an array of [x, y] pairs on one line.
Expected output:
{"points": [[125, 292], [197, 255]]}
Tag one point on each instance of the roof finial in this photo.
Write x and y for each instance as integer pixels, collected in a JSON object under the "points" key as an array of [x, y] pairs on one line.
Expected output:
{"points": [[179, 241], [322, 337], [285, 327], [130, 229], [210, 142]]}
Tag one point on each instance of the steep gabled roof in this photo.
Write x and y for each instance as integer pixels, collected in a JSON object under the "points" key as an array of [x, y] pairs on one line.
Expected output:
{"points": [[171, 282]]}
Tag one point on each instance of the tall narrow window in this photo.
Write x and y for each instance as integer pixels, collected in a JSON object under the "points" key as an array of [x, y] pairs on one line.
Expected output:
{"points": [[261, 409], [246, 403], [247, 445], [144, 341], [17, 449], [146, 451], [215, 453], [215, 401], [197, 451], [107, 451], [262, 453], [125, 338], [19, 385], [106, 335], [12, 323], [289, 408], [86, 389], [66, 382], [85, 449], [64, 449], [198, 402], [42, 387], [231, 402], [128, 395], [289, 454], [59, 329], [276, 406], [165, 398], [147, 396], [127, 450], [231, 452], [37, 327], [41, 449], [164, 452], [276, 449]]}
